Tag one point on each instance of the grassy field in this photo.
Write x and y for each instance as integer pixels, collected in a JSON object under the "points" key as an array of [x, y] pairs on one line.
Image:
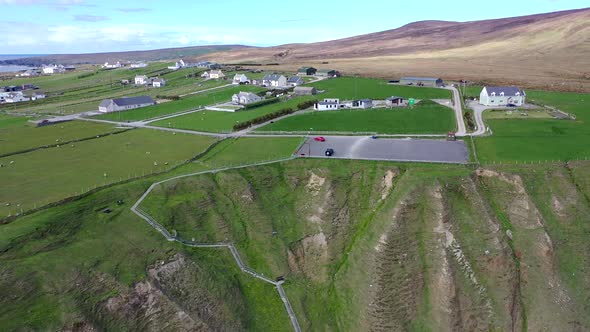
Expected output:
{"points": [[426, 117], [185, 104], [216, 121], [357, 88], [534, 140], [49, 175], [17, 134]]}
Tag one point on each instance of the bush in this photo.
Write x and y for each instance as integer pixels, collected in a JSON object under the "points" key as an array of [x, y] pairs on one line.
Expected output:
{"points": [[306, 104], [261, 103], [168, 97], [262, 119]]}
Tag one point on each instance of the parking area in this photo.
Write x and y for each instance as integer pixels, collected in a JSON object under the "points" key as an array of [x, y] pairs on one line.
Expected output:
{"points": [[365, 147]]}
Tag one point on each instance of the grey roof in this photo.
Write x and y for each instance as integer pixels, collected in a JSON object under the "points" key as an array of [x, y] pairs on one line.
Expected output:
{"points": [[413, 78], [327, 103], [294, 79], [303, 88], [105, 103], [272, 77], [508, 90], [127, 101], [366, 100], [325, 70], [394, 98]]}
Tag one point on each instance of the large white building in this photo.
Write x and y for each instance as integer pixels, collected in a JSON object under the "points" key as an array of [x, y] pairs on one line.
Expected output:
{"points": [[53, 69], [245, 98], [502, 96]]}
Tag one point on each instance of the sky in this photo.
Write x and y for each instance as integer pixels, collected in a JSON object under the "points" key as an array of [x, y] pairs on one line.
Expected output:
{"points": [[90, 26]]}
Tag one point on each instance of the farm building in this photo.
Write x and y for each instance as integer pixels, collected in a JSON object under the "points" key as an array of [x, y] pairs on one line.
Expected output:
{"points": [[158, 82], [306, 71], [304, 91], [394, 101], [245, 98], [329, 104], [502, 96], [295, 81], [327, 73], [361, 103], [141, 80], [274, 80], [124, 104], [240, 79], [422, 81]]}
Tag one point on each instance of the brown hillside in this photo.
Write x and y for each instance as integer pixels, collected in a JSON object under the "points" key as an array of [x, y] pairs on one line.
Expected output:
{"points": [[545, 50]]}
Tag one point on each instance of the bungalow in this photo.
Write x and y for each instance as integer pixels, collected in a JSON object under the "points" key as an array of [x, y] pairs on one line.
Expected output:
{"points": [[141, 80], [422, 81], [138, 65], [274, 80], [304, 91], [53, 69], [327, 73], [158, 82], [361, 103], [213, 74], [502, 96], [394, 101], [208, 65], [16, 97], [112, 65], [37, 96], [329, 104], [295, 81], [306, 71], [177, 65], [124, 104], [240, 79], [245, 98], [28, 73]]}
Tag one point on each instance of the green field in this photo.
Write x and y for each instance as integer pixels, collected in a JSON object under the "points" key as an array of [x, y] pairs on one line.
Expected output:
{"points": [[426, 117], [185, 104], [348, 88], [17, 134], [217, 121], [534, 140], [36, 178]]}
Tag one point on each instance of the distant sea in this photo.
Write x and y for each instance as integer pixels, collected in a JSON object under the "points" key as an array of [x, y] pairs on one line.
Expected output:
{"points": [[12, 68]]}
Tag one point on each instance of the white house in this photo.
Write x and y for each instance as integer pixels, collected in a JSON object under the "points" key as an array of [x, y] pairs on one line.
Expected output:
{"points": [[53, 69], [329, 104], [245, 98], [28, 73], [112, 65], [158, 82], [361, 103], [240, 79], [502, 96], [124, 104], [3, 96], [16, 97], [178, 65], [295, 81], [216, 73], [141, 80], [37, 96], [138, 65], [274, 80]]}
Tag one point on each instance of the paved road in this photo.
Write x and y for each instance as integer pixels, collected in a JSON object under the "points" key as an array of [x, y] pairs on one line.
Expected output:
{"points": [[157, 226], [364, 147], [461, 131]]}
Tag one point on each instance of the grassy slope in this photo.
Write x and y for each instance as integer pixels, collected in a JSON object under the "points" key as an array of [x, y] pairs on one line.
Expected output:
{"points": [[216, 121], [48, 175], [541, 139], [17, 134], [426, 117], [185, 104], [356, 88]]}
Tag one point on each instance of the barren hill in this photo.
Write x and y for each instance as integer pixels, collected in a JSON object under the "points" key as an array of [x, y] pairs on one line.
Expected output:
{"points": [[544, 50]]}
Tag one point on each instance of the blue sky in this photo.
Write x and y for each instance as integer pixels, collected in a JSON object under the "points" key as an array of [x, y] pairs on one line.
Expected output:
{"points": [[88, 26]]}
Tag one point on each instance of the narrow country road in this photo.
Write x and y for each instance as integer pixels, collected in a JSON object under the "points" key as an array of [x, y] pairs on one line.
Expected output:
{"points": [[461, 131]]}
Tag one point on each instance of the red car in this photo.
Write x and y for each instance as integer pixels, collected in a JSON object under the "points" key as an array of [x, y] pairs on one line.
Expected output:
{"points": [[320, 139]]}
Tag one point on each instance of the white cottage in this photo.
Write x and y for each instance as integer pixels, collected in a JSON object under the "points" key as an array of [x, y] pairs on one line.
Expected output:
{"points": [[240, 79], [502, 96], [274, 80], [245, 98], [329, 104], [141, 80]]}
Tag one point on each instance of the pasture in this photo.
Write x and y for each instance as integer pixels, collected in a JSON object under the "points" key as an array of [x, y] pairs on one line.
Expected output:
{"points": [[426, 117], [36, 178], [356, 88]]}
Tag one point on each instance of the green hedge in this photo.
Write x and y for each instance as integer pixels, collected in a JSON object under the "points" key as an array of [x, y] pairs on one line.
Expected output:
{"points": [[260, 103], [262, 119]]}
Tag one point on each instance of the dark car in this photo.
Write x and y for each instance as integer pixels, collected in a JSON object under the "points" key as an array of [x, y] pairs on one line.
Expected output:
{"points": [[329, 152]]}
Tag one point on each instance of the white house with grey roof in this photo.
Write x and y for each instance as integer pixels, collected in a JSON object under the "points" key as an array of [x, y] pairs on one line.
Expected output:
{"points": [[502, 96], [124, 104], [274, 80], [141, 80], [245, 98], [240, 79], [295, 81]]}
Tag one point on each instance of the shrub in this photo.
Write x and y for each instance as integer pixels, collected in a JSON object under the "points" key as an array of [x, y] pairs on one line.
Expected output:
{"points": [[262, 119], [168, 97], [261, 103], [306, 104]]}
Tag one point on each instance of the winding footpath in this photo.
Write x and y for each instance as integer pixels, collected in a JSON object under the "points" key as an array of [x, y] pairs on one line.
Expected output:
{"points": [[228, 245]]}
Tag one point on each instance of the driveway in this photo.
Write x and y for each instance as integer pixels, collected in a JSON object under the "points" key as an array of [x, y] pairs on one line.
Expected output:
{"points": [[364, 147]]}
